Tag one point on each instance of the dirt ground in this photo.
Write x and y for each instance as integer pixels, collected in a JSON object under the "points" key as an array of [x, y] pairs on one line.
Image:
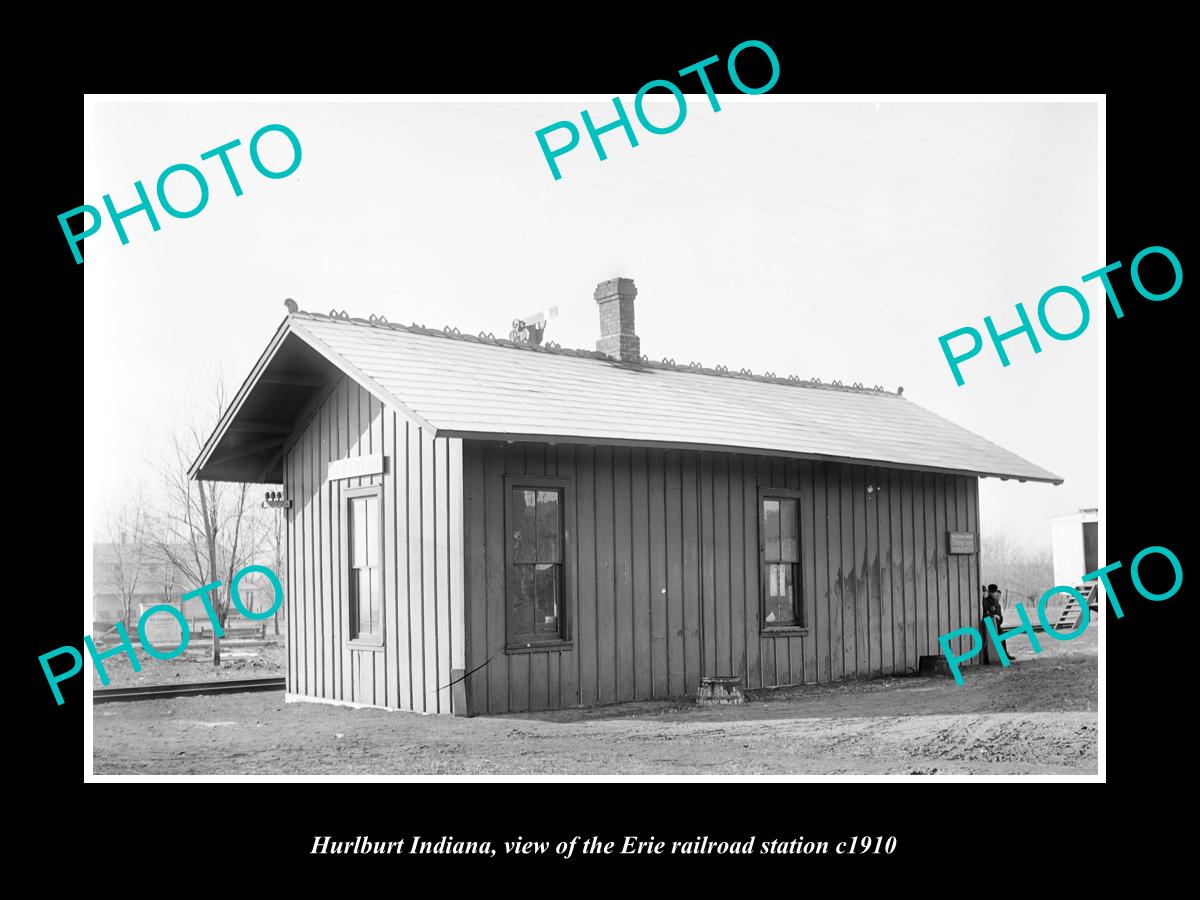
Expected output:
{"points": [[1038, 716]]}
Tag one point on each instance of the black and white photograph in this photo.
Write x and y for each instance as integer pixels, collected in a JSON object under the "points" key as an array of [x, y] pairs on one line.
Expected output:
{"points": [[530, 436]]}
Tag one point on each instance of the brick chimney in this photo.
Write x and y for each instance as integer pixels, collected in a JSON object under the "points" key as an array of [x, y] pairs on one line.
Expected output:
{"points": [[617, 336]]}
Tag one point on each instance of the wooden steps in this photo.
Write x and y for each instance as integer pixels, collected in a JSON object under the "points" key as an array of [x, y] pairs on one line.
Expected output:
{"points": [[1072, 611]]}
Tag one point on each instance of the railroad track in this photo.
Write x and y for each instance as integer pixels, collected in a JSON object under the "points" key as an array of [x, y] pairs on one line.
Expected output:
{"points": [[192, 689]]}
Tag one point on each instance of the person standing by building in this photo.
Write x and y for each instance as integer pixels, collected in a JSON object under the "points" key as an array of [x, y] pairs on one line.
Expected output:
{"points": [[991, 607]]}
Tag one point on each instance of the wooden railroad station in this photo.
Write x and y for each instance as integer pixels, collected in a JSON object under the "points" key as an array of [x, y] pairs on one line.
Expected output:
{"points": [[484, 525]]}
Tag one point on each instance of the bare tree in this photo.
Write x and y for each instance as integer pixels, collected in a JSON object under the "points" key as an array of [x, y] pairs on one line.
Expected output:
{"points": [[275, 543], [270, 541], [127, 558], [1023, 576], [206, 530]]}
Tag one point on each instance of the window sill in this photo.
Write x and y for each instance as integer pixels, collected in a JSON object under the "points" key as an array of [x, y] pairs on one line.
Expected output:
{"points": [[362, 645], [539, 647], [784, 630]]}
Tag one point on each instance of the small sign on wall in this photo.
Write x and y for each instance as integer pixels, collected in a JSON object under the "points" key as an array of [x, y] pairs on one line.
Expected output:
{"points": [[357, 466], [963, 541]]}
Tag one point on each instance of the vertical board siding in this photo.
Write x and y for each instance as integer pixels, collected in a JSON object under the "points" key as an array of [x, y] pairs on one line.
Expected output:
{"points": [[689, 539], [643, 659], [656, 574], [443, 625], [623, 568], [665, 580], [871, 574], [750, 601], [423, 557], [569, 663], [587, 576], [344, 664], [974, 598], [324, 530], [310, 521], [883, 567], [739, 593], [400, 650], [491, 642], [857, 501], [966, 596], [676, 626], [294, 576], [664, 569], [766, 646], [818, 563], [722, 590], [796, 644], [427, 561], [416, 568], [845, 546], [475, 570], [702, 536], [604, 549], [920, 503]]}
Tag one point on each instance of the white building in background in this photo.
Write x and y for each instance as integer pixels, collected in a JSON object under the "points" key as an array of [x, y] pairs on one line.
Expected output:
{"points": [[1074, 540]]}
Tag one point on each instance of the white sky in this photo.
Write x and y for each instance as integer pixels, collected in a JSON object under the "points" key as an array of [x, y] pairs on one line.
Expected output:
{"points": [[836, 240]]}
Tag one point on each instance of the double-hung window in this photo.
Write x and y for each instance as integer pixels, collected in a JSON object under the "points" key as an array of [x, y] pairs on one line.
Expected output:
{"points": [[364, 569], [536, 562], [779, 539]]}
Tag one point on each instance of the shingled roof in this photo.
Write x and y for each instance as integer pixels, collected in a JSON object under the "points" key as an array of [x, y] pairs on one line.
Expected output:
{"points": [[479, 386]]}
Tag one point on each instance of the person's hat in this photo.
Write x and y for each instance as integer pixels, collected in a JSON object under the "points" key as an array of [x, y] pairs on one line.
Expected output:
{"points": [[992, 588]]}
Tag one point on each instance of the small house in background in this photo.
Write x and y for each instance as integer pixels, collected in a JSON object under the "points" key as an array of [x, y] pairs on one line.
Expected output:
{"points": [[1074, 541], [133, 569], [479, 525]]}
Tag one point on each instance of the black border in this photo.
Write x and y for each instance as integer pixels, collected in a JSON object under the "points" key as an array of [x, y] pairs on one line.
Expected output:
{"points": [[953, 838]]}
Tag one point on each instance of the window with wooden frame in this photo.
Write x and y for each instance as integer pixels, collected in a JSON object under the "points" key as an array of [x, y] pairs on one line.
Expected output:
{"points": [[537, 577], [363, 528], [779, 549]]}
